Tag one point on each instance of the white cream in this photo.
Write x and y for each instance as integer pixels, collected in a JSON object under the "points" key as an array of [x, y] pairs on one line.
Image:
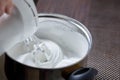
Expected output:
{"points": [[47, 54]]}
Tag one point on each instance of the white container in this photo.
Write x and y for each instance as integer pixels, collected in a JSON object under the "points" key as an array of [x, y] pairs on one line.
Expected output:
{"points": [[19, 25]]}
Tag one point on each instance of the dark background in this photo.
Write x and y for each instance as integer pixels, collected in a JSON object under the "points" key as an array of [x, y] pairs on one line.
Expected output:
{"points": [[102, 18]]}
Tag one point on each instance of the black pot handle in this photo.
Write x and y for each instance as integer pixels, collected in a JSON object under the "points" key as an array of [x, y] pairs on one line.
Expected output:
{"points": [[83, 74]]}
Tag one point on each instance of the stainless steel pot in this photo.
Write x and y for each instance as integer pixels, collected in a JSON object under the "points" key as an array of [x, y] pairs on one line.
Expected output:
{"points": [[18, 71]]}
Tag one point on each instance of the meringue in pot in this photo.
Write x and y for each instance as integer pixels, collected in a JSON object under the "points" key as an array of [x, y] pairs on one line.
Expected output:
{"points": [[47, 53]]}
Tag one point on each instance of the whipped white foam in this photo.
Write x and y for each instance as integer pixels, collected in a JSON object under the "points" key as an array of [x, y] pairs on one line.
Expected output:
{"points": [[47, 53]]}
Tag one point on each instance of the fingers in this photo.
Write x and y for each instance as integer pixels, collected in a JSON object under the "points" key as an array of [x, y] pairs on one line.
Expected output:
{"points": [[6, 6], [9, 7], [2, 7]]}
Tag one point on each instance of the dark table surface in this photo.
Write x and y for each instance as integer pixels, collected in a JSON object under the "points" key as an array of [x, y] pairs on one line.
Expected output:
{"points": [[102, 18]]}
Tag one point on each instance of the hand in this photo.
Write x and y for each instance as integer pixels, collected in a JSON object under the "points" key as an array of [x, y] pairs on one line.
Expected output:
{"points": [[6, 6]]}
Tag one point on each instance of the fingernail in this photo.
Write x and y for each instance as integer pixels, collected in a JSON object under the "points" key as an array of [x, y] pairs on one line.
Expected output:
{"points": [[10, 10]]}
